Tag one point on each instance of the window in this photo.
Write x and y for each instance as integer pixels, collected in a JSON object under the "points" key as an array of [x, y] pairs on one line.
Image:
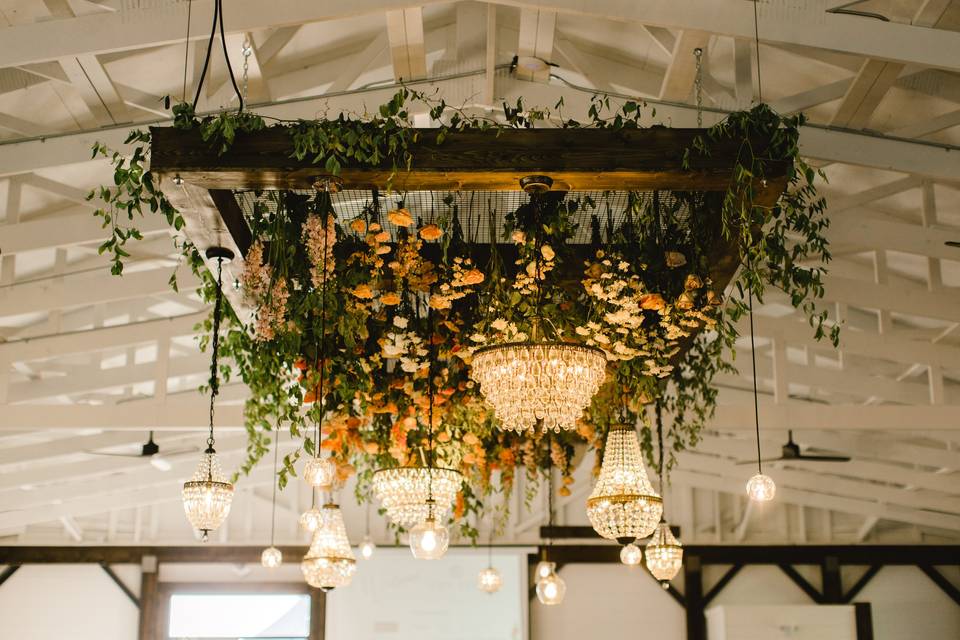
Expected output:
{"points": [[238, 616]]}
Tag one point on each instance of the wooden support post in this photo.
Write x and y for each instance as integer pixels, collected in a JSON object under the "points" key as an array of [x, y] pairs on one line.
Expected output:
{"points": [[693, 594], [832, 587], [149, 621], [318, 614], [864, 620]]}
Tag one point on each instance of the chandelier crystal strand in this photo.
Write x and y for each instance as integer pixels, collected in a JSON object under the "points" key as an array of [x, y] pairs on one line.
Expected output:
{"points": [[539, 383], [207, 496], [623, 505], [272, 557], [664, 551], [329, 562], [320, 472]]}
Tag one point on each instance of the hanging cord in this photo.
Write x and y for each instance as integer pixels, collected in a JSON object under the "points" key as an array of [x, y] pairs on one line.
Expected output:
{"points": [[186, 53], [217, 21], [756, 40], [658, 408], [214, 362], [756, 401], [431, 455], [537, 200], [322, 355], [273, 509], [698, 85]]}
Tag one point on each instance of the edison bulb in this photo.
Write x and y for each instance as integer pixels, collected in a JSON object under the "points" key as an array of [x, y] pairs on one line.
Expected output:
{"points": [[761, 488], [271, 558], [550, 590], [544, 569], [631, 555], [367, 547], [429, 540]]}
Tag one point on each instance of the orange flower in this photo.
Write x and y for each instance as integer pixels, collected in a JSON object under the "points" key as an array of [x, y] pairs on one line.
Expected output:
{"points": [[439, 302], [714, 299], [431, 232], [371, 447], [384, 249], [459, 507], [390, 299], [400, 217], [474, 276], [471, 438], [652, 301], [363, 291], [563, 491], [359, 225], [301, 364], [692, 281], [685, 301], [383, 236], [443, 436]]}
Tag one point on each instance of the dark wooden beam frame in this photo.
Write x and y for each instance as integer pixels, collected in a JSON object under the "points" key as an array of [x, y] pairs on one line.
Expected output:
{"points": [[8, 572], [120, 584], [199, 181], [938, 579]]}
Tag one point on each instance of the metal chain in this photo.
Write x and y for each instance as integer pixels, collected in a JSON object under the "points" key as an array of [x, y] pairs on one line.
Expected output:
{"points": [[247, 51], [698, 85]]}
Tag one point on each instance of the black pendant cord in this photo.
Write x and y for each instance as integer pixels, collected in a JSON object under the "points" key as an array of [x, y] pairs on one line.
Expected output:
{"points": [[217, 22], [538, 255], [431, 457], [273, 508], [550, 488], [658, 408], [318, 391], [215, 360], [186, 53], [756, 40], [756, 401]]}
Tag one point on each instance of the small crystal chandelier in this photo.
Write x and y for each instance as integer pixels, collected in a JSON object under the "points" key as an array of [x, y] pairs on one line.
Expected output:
{"points": [[539, 383], [207, 495], [631, 555], [664, 551], [271, 558], [760, 488], [429, 539], [623, 505], [320, 473], [330, 562], [311, 519], [413, 494], [664, 554]]}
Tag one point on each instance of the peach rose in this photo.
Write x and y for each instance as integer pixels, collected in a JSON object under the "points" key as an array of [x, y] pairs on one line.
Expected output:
{"points": [[359, 225], [675, 259], [390, 299], [474, 276], [431, 232], [652, 301], [363, 291], [400, 217]]}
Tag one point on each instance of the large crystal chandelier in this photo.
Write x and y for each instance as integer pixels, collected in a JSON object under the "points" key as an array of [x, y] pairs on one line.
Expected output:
{"points": [[329, 562], [413, 494], [542, 383], [207, 495], [664, 554], [623, 505]]}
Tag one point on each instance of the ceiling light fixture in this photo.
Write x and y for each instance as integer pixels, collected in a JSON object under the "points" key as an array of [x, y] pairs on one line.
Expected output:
{"points": [[208, 495], [271, 558], [329, 562], [551, 588], [664, 551]]}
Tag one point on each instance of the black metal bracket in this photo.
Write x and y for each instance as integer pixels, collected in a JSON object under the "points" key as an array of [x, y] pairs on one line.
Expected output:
{"points": [[938, 579], [801, 582], [8, 572], [721, 583], [861, 583]]}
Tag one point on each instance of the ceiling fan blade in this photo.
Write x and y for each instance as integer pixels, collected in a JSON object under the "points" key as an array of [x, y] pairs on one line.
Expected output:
{"points": [[115, 455], [814, 458], [178, 452], [764, 460]]}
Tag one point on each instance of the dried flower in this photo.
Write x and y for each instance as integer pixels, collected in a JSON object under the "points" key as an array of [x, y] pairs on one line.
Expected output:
{"points": [[400, 217], [693, 281], [652, 302], [675, 259], [359, 225], [431, 232], [363, 291]]}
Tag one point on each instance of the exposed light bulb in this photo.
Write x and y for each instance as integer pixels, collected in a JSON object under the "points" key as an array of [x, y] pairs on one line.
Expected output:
{"points": [[631, 555], [271, 558], [761, 488], [489, 580], [320, 473], [367, 547], [544, 569], [429, 540], [550, 590], [310, 519]]}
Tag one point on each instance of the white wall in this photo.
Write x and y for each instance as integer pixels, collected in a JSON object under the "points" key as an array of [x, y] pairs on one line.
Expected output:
{"points": [[906, 605], [68, 602]]}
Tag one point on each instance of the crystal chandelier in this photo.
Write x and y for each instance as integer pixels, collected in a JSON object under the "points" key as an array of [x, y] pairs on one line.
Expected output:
{"points": [[403, 492], [311, 518], [542, 383], [623, 505], [320, 473], [271, 558], [631, 555], [412, 494], [429, 539], [664, 554], [489, 580], [329, 562], [207, 496]]}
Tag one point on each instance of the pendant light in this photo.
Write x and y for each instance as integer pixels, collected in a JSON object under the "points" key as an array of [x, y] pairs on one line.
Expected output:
{"points": [[320, 472], [271, 558], [551, 588], [538, 383], [631, 555], [664, 551], [329, 562], [623, 505], [367, 547], [207, 495], [429, 539], [760, 488], [489, 580]]}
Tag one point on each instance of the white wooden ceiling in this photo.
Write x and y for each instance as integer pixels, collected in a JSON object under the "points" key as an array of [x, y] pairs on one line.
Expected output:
{"points": [[89, 362]]}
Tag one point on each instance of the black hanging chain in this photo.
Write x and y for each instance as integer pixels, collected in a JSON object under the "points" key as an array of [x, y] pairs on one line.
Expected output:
{"points": [[217, 22], [658, 408], [215, 360]]}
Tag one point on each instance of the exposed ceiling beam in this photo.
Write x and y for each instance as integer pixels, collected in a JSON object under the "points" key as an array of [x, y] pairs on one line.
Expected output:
{"points": [[535, 44], [407, 48], [835, 417], [679, 79], [276, 41]]}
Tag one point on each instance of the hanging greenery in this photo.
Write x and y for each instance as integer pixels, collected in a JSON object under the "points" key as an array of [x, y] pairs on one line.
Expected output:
{"points": [[640, 289]]}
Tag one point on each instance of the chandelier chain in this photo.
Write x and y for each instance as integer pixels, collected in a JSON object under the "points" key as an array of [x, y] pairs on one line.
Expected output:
{"points": [[215, 360], [247, 50], [698, 85]]}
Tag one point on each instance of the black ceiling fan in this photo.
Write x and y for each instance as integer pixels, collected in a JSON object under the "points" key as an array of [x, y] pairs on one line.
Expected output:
{"points": [[150, 450], [791, 452]]}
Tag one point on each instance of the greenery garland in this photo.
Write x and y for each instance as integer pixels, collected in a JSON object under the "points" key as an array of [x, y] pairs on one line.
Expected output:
{"points": [[644, 288]]}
